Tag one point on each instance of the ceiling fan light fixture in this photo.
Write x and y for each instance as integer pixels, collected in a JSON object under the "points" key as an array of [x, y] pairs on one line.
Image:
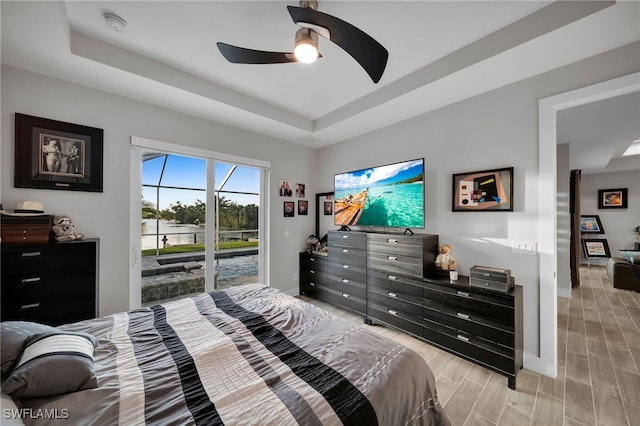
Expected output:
{"points": [[306, 46]]}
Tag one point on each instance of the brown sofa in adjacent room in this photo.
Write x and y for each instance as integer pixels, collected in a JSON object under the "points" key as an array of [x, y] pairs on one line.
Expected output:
{"points": [[623, 273]]}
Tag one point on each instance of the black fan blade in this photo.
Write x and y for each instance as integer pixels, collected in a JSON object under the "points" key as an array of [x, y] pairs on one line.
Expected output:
{"points": [[370, 54], [240, 55]]}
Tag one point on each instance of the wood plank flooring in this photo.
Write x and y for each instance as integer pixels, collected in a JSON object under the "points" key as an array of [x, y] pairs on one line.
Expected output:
{"points": [[598, 379]]}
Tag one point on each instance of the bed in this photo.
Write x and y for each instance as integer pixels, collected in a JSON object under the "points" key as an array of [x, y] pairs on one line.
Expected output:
{"points": [[245, 355]]}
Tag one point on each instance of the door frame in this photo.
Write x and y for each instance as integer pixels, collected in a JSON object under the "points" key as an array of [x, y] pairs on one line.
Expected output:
{"points": [[138, 146], [547, 363]]}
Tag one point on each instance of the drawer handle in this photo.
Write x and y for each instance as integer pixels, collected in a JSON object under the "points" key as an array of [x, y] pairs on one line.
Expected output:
{"points": [[312, 259], [345, 266], [312, 284], [346, 281], [463, 338], [345, 295], [31, 254], [392, 241], [393, 294], [392, 312], [30, 280], [312, 271], [462, 293], [345, 237], [392, 277], [461, 315], [392, 258], [345, 250], [29, 306]]}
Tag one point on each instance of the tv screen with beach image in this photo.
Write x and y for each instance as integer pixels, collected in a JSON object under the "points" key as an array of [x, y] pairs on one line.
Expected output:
{"points": [[383, 196]]}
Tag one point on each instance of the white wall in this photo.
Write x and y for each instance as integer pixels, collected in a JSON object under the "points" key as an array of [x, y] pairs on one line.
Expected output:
{"points": [[497, 129], [618, 224], [106, 215]]}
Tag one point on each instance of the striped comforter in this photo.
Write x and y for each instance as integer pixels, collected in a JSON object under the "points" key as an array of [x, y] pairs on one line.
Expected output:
{"points": [[249, 355]]}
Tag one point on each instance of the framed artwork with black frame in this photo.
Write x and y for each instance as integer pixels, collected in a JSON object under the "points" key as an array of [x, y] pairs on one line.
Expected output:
{"points": [[590, 224], [612, 198], [486, 190], [595, 247], [303, 207], [288, 209], [53, 154]]}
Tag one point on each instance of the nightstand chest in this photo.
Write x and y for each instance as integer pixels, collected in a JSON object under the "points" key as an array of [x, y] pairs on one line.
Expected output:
{"points": [[313, 275], [52, 283]]}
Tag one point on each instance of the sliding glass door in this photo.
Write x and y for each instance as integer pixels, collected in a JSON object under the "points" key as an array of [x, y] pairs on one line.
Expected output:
{"points": [[201, 225]]}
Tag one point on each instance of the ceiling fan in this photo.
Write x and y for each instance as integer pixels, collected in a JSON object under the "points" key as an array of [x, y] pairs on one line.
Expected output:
{"points": [[370, 54]]}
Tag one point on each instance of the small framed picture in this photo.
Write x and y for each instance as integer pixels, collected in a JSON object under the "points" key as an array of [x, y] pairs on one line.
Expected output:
{"points": [[289, 207], [612, 198], [596, 247], [303, 207], [590, 224], [328, 208], [300, 190], [284, 187]]}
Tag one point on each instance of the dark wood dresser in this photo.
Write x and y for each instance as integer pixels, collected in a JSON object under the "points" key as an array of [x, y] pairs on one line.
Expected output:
{"points": [[391, 279], [482, 326], [53, 283]]}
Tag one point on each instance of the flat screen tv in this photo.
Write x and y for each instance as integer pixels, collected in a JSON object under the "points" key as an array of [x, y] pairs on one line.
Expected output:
{"points": [[385, 196]]}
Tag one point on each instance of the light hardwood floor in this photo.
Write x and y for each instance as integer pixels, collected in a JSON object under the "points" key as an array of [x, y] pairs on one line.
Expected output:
{"points": [[598, 379]]}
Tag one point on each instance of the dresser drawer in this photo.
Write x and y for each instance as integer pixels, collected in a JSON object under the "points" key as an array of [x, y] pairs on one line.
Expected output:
{"points": [[343, 285], [48, 283], [470, 324], [397, 245], [472, 348], [25, 233], [347, 240], [312, 262], [314, 289], [350, 271], [404, 287], [347, 300], [348, 256], [49, 257], [394, 263], [397, 318], [394, 303], [52, 310], [313, 276]]}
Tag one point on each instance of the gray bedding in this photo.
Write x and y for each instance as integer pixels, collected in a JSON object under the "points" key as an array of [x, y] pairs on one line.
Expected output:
{"points": [[246, 355]]}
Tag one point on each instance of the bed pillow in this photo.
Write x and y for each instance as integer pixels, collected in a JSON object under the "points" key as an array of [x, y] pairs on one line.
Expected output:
{"points": [[13, 335], [53, 363]]}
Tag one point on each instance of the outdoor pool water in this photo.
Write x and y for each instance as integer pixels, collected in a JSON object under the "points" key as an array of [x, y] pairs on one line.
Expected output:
{"points": [[237, 266]]}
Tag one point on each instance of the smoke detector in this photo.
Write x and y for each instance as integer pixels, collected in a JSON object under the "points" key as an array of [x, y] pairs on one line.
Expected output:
{"points": [[116, 23]]}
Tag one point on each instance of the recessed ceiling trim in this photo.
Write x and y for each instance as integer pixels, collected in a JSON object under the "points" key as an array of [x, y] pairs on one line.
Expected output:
{"points": [[105, 53], [543, 21]]}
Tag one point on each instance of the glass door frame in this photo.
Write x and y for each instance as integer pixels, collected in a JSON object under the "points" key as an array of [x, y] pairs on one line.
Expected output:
{"points": [[138, 147]]}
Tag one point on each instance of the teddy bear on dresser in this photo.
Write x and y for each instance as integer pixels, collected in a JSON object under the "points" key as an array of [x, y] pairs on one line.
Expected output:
{"points": [[444, 260], [64, 230]]}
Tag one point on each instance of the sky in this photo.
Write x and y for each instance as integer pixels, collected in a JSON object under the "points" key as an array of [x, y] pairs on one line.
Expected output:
{"points": [[191, 173]]}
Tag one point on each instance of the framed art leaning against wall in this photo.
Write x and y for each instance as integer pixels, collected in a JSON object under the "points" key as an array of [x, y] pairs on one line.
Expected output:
{"points": [[57, 155]]}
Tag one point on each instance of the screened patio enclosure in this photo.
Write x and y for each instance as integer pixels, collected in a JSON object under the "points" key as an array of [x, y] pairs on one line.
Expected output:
{"points": [[192, 220]]}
